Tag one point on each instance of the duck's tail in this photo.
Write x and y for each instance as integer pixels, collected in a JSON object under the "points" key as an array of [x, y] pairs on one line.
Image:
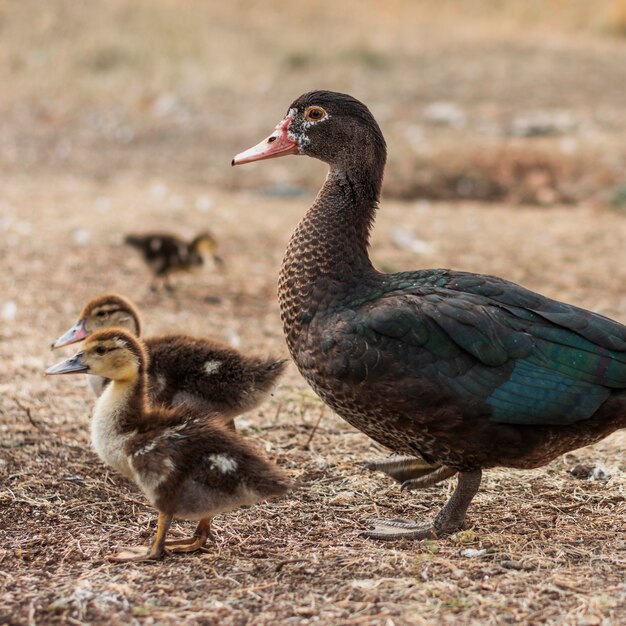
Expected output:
{"points": [[267, 373]]}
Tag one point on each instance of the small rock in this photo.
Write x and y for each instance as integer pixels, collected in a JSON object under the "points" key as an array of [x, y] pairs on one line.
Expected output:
{"points": [[366, 583], [8, 311], [102, 203], [445, 114], [204, 203], [343, 497], [543, 122], [472, 553], [166, 104], [233, 338], [321, 463], [81, 236], [404, 239], [599, 472], [584, 471], [159, 191]]}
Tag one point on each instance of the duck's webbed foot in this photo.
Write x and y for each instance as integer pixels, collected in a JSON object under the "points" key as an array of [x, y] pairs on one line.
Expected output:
{"points": [[392, 529], [153, 553], [448, 520], [191, 544], [402, 468], [428, 480]]}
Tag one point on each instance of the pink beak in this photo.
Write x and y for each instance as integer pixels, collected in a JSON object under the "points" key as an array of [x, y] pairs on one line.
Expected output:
{"points": [[276, 145], [78, 332]]}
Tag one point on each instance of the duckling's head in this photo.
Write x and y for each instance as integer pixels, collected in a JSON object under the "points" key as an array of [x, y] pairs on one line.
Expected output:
{"points": [[205, 245], [105, 311], [111, 352]]}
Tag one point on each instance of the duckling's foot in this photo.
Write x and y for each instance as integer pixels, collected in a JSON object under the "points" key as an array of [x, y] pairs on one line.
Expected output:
{"points": [[448, 520], [136, 553], [154, 552], [198, 541]]}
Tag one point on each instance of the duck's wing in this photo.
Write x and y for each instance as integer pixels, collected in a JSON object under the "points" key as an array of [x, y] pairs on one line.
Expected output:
{"points": [[530, 359]]}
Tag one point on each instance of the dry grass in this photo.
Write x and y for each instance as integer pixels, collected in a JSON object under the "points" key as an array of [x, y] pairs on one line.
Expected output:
{"points": [[123, 115], [551, 546]]}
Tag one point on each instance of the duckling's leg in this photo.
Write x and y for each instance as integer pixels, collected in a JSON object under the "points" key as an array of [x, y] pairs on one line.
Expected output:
{"points": [[199, 539], [155, 551], [167, 283], [448, 520]]}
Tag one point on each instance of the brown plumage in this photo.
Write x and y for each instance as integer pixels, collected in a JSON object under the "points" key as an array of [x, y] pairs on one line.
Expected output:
{"points": [[188, 465], [461, 371], [166, 254], [182, 368]]}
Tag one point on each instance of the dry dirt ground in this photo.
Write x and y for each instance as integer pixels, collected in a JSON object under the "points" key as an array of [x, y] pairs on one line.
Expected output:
{"points": [[121, 116], [540, 547]]}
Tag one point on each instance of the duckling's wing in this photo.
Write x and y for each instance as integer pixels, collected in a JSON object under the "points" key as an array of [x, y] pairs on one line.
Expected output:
{"points": [[553, 365]]}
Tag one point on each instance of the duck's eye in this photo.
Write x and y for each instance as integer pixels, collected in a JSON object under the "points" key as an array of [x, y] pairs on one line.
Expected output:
{"points": [[101, 350], [315, 114], [101, 313]]}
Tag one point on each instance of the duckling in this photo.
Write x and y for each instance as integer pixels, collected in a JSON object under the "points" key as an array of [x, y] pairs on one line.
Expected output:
{"points": [[182, 368], [188, 467], [166, 254]]}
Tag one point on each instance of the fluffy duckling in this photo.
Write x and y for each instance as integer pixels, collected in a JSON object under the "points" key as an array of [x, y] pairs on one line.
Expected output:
{"points": [[188, 467], [166, 254], [183, 369]]}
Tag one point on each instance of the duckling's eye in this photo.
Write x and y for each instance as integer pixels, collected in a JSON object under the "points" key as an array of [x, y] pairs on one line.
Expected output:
{"points": [[315, 114], [101, 313], [101, 350]]}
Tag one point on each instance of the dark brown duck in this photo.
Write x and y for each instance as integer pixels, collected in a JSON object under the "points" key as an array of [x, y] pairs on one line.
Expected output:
{"points": [[183, 368], [462, 371], [188, 465]]}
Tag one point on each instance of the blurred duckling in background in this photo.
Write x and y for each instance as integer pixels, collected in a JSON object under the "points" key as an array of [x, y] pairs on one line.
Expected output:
{"points": [[166, 254], [188, 467], [182, 368]]}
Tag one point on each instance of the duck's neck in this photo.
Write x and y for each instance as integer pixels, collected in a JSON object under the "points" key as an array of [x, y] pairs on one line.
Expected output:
{"points": [[119, 412], [330, 244]]}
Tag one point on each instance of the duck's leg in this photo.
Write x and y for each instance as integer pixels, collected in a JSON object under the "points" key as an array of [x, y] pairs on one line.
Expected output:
{"points": [[199, 539], [156, 549], [448, 520]]}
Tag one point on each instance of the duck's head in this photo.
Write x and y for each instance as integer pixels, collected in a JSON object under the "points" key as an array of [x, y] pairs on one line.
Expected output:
{"points": [[330, 126], [205, 245], [105, 311], [111, 352]]}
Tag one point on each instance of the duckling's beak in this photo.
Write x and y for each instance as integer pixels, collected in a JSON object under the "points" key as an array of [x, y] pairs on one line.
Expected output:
{"points": [[276, 145], [77, 333], [73, 365]]}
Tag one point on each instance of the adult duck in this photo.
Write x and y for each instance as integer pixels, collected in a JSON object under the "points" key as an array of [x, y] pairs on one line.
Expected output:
{"points": [[464, 371]]}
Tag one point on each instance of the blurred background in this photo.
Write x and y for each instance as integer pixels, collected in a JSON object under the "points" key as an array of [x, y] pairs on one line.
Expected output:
{"points": [[520, 101], [506, 127]]}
